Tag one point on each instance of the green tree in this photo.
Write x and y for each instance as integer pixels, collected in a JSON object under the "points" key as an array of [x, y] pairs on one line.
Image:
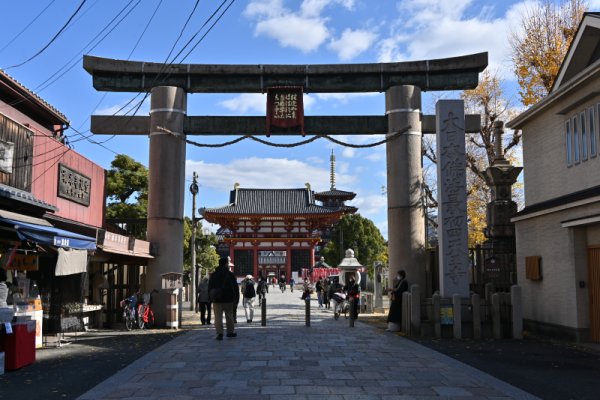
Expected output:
{"points": [[126, 188], [206, 253], [359, 234]]}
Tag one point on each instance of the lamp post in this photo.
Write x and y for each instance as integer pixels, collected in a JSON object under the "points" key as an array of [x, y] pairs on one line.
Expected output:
{"points": [[194, 192]]}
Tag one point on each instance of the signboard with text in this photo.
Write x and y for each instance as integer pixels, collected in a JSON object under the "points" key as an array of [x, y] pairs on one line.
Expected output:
{"points": [[285, 109], [73, 186]]}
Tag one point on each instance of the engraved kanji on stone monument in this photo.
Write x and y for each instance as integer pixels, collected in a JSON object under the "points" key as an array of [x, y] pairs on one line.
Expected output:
{"points": [[452, 198]]}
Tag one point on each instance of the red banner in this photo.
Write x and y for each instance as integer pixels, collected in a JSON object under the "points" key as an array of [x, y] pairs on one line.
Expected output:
{"points": [[285, 109]]}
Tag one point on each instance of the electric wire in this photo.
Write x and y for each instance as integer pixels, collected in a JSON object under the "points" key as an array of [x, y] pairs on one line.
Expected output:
{"points": [[51, 40], [27, 25]]}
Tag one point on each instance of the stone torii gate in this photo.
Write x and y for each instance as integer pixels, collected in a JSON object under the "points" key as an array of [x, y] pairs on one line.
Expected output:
{"points": [[168, 125]]}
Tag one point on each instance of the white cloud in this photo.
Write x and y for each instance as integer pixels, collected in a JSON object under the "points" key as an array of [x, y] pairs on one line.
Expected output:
{"points": [[255, 172], [370, 204], [315, 160], [352, 43], [246, 102], [348, 152], [376, 156], [305, 29], [306, 34], [429, 29]]}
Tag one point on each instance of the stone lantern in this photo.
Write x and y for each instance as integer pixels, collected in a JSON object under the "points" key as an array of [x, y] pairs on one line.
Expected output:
{"points": [[348, 266]]}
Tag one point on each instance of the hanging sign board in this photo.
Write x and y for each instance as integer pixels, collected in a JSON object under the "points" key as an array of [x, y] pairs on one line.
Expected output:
{"points": [[285, 109]]}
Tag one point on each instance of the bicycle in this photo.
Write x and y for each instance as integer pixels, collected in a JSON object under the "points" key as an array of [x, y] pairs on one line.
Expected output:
{"points": [[128, 305], [145, 313]]}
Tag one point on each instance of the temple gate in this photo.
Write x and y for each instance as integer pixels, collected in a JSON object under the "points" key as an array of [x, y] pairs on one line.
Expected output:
{"points": [[169, 124]]}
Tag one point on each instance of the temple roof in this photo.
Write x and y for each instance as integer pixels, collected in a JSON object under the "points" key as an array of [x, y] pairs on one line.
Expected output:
{"points": [[336, 193], [272, 202]]}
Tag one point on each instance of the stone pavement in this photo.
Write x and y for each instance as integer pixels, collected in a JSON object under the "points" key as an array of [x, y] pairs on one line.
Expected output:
{"points": [[287, 360]]}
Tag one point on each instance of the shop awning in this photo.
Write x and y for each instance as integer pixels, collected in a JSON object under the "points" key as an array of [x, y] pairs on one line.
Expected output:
{"points": [[51, 236]]}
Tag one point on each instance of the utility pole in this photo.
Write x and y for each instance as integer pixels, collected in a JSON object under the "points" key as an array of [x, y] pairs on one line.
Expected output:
{"points": [[194, 191]]}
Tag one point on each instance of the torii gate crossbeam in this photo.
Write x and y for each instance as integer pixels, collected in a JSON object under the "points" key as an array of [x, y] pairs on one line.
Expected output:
{"points": [[168, 125]]}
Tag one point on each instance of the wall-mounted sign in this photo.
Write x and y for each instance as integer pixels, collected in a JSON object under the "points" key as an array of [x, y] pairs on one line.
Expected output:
{"points": [[73, 186], [446, 315], [285, 109], [6, 156]]}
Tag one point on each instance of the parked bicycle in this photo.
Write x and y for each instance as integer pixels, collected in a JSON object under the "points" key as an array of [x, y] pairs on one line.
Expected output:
{"points": [[145, 314], [137, 311], [341, 305]]}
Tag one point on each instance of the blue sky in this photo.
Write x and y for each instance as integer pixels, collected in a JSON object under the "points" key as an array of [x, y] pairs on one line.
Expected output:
{"points": [[250, 32]]}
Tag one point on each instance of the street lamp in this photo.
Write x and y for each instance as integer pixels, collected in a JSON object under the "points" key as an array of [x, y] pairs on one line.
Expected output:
{"points": [[194, 191]]}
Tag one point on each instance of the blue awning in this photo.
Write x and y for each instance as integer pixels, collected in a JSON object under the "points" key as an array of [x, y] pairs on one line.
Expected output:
{"points": [[51, 236]]}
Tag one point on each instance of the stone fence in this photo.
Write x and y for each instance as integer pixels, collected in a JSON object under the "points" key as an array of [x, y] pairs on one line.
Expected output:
{"points": [[497, 315]]}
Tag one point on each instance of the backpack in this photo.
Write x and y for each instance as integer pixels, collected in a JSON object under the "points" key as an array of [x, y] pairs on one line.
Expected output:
{"points": [[249, 291]]}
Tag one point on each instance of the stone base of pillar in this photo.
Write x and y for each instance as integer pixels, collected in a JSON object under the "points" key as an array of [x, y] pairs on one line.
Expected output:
{"points": [[394, 327]]}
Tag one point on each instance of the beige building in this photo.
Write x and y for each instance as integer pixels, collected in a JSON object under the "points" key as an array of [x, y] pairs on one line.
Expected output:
{"points": [[558, 231]]}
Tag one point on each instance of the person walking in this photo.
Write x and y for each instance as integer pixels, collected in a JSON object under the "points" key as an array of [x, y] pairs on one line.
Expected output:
{"points": [[319, 289], [224, 294], [262, 290], [249, 293], [204, 301], [394, 318], [326, 292]]}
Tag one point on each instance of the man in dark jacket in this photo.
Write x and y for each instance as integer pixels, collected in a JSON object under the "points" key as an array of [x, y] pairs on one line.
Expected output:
{"points": [[224, 293]]}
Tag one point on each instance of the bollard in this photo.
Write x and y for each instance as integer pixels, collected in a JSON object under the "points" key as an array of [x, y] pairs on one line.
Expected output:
{"points": [[415, 310], [353, 312], [307, 311], [263, 312], [437, 326], [476, 306], [456, 311]]}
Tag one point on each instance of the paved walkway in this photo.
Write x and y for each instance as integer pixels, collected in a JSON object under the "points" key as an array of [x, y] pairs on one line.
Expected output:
{"points": [[287, 360]]}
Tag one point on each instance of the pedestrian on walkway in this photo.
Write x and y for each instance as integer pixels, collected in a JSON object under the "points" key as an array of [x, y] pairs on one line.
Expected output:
{"points": [[224, 294], [326, 292], [319, 289], [262, 290], [248, 293], [204, 301], [395, 293]]}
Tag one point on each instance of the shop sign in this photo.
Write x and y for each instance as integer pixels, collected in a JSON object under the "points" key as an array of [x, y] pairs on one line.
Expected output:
{"points": [[285, 109], [172, 280], [60, 241], [23, 262], [73, 186]]}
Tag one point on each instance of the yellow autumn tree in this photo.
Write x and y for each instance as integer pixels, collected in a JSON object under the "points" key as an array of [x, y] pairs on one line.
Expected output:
{"points": [[487, 100], [539, 47]]}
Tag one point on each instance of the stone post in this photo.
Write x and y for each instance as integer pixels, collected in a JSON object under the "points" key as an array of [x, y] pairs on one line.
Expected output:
{"points": [[517, 311], [415, 310], [476, 306], [166, 186], [437, 325], [406, 218], [457, 312], [496, 322], [452, 198]]}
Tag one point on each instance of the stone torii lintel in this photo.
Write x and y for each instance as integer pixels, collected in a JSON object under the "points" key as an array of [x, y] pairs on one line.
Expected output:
{"points": [[239, 126], [455, 73]]}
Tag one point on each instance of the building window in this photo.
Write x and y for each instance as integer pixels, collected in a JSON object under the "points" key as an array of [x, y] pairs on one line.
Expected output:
{"points": [[575, 141], [584, 139], [592, 130], [568, 143]]}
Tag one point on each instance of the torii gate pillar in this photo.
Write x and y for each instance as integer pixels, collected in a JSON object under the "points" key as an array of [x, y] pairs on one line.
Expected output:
{"points": [[166, 188], [406, 219]]}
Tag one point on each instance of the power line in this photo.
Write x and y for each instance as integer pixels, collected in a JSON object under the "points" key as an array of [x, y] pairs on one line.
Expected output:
{"points": [[27, 25], [53, 38]]}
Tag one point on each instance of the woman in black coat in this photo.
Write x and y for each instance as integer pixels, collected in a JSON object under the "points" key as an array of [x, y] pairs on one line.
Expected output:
{"points": [[401, 286]]}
